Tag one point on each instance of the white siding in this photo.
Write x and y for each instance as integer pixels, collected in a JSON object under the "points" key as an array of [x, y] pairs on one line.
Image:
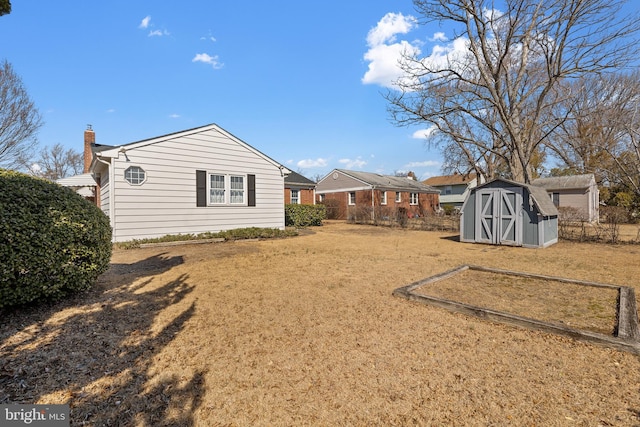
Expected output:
{"points": [[166, 202]]}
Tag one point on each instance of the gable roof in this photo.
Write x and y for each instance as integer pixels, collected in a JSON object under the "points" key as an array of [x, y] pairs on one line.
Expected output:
{"points": [[294, 178], [565, 182], [389, 182], [113, 151], [538, 194], [455, 179]]}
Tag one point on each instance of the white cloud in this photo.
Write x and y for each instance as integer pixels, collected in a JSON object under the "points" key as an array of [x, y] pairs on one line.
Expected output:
{"points": [[158, 33], [214, 61], [439, 37], [442, 56], [386, 29], [423, 133], [384, 52], [174, 116], [145, 22], [312, 163], [425, 164], [111, 110], [353, 163]]}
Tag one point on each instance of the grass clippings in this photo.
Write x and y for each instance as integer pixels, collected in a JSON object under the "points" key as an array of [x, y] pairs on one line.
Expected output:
{"points": [[305, 331]]}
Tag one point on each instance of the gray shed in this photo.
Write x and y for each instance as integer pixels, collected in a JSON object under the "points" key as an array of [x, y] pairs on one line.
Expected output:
{"points": [[503, 212]]}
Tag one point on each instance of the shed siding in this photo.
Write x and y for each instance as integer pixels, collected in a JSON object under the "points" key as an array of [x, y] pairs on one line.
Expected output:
{"points": [[467, 219], [530, 223], [166, 202]]}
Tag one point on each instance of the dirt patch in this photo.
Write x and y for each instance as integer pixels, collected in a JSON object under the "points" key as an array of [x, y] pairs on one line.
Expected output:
{"points": [[305, 331]]}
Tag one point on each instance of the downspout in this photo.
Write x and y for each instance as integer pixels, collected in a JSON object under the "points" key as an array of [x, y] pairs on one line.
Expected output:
{"points": [[111, 195], [373, 205]]}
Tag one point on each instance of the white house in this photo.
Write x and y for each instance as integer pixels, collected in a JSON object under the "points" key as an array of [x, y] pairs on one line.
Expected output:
{"points": [[579, 192], [188, 182]]}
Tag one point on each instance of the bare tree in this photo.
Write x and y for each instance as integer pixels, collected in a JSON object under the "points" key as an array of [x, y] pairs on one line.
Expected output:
{"points": [[55, 162], [497, 99], [19, 118], [602, 133]]}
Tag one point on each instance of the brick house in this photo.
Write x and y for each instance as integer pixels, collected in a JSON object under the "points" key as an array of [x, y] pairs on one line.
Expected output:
{"points": [[299, 190], [352, 194]]}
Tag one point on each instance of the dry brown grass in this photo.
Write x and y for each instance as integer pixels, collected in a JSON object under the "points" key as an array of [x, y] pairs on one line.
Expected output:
{"points": [[576, 306], [304, 331]]}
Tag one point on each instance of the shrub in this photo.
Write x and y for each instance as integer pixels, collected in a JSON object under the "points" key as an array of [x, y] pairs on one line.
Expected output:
{"points": [[449, 209], [304, 215], [52, 241]]}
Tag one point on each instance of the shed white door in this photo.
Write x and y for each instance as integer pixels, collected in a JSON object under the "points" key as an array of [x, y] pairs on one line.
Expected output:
{"points": [[498, 219]]}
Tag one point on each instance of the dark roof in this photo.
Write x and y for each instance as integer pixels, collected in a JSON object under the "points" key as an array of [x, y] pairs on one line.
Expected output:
{"points": [[455, 179], [390, 182], [538, 194], [565, 182], [295, 178]]}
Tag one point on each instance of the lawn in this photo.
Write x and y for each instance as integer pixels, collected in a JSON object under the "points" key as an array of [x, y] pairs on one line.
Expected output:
{"points": [[305, 331]]}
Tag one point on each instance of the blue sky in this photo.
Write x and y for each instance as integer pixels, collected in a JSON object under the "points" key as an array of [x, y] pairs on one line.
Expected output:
{"points": [[299, 81]]}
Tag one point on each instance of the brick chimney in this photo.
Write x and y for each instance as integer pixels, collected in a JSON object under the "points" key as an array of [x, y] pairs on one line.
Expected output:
{"points": [[89, 141]]}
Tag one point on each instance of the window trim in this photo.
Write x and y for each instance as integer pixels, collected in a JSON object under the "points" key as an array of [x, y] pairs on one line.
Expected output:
{"points": [[413, 202], [138, 183], [398, 197], [297, 198], [349, 201], [383, 198]]}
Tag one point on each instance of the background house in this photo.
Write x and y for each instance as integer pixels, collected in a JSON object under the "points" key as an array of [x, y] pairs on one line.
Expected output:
{"points": [[453, 188], [579, 192], [188, 182], [503, 212], [299, 189], [348, 194]]}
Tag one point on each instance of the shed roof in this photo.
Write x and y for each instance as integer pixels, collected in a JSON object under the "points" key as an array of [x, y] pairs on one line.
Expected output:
{"points": [[565, 182], [390, 182], [539, 196], [454, 179]]}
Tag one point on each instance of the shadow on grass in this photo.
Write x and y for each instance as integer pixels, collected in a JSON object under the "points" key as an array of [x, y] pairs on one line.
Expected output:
{"points": [[95, 350]]}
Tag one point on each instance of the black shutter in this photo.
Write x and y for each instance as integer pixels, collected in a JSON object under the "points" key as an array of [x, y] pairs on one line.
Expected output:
{"points": [[251, 187], [201, 188]]}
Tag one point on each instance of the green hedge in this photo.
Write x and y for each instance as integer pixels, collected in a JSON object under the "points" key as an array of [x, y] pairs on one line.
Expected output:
{"points": [[53, 242], [304, 215]]}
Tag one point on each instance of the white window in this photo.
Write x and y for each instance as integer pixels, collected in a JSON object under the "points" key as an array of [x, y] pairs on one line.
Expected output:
{"points": [[216, 189], [237, 190], [135, 175], [398, 197], [295, 197], [383, 199], [448, 189], [220, 185], [414, 199], [352, 198]]}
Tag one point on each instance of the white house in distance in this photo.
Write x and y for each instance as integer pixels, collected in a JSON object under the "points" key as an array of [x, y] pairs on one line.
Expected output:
{"points": [[188, 182], [455, 188], [579, 192]]}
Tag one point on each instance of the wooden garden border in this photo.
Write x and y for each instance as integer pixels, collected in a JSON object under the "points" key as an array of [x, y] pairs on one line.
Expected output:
{"points": [[627, 333]]}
